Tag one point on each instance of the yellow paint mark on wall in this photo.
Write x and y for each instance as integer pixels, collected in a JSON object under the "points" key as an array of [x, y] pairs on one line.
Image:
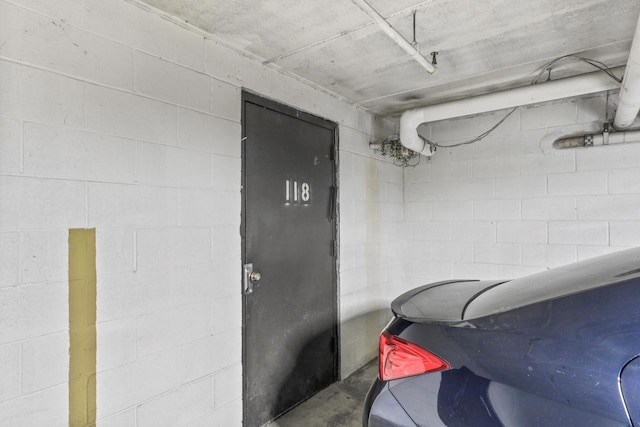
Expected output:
{"points": [[82, 327]]}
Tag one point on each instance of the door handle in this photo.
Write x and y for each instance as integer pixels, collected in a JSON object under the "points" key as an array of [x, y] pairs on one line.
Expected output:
{"points": [[249, 278]]}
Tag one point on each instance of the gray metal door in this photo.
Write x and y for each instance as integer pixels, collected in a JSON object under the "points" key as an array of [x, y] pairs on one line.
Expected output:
{"points": [[289, 226]]}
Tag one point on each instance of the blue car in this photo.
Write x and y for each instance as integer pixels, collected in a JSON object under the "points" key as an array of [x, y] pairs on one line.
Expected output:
{"points": [[558, 348]]}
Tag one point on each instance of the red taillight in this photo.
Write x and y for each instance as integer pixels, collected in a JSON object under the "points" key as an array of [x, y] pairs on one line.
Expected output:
{"points": [[399, 358]]}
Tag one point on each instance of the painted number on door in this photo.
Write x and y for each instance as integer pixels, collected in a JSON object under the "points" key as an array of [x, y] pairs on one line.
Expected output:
{"points": [[295, 192]]}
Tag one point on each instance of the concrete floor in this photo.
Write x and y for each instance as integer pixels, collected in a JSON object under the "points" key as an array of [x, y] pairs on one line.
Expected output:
{"points": [[339, 405]]}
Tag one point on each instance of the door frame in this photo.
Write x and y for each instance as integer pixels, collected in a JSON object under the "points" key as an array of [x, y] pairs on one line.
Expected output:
{"points": [[251, 97]]}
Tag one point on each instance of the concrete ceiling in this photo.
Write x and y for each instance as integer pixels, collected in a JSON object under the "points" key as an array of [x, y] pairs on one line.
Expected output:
{"points": [[483, 46]]}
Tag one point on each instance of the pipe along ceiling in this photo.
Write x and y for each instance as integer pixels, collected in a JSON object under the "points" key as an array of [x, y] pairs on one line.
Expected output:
{"points": [[628, 107]]}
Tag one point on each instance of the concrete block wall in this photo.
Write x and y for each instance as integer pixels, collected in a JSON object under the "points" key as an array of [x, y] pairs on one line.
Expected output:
{"points": [[511, 205], [114, 118], [372, 243]]}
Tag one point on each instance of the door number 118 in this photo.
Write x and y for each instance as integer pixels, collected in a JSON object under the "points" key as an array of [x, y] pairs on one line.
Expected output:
{"points": [[295, 191]]}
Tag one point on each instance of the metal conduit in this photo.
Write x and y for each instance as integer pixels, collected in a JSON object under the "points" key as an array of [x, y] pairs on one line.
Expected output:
{"points": [[395, 35]]}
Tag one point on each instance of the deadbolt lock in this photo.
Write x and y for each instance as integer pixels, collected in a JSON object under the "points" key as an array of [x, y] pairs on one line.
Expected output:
{"points": [[255, 277]]}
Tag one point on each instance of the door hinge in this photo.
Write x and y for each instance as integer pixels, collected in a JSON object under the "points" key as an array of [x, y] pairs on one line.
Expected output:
{"points": [[334, 248], [333, 200], [332, 154]]}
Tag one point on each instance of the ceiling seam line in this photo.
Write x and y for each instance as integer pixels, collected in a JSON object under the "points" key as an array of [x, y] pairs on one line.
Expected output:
{"points": [[318, 43], [485, 74], [248, 55], [341, 34]]}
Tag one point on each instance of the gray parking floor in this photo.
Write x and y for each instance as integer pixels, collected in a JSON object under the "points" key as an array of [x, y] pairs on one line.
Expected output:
{"points": [[339, 405]]}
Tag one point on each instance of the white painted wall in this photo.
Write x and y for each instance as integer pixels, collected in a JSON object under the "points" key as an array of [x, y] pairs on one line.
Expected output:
{"points": [[511, 205], [372, 244], [113, 118]]}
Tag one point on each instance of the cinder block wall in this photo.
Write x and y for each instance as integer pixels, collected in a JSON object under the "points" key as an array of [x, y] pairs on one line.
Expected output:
{"points": [[372, 244], [511, 205], [116, 119]]}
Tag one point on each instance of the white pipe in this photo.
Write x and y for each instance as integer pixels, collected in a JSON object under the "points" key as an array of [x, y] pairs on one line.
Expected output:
{"points": [[597, 139], [395, 36], [629, 103], [532, 94]]}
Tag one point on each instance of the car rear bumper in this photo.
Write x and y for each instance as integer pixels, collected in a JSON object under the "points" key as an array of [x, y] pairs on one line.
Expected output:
{"points": [[381, 409]]}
